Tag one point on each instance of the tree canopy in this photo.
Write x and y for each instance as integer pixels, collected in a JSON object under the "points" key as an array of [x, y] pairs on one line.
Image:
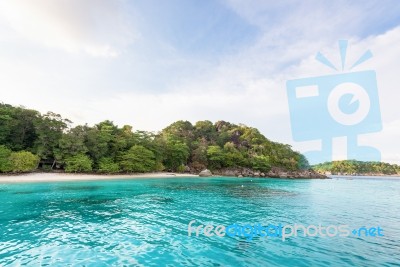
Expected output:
{"points": [[107, 148]]}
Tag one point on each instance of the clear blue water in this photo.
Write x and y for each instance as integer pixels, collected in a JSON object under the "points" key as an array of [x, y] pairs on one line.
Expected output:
{"points": [[144, 222]]}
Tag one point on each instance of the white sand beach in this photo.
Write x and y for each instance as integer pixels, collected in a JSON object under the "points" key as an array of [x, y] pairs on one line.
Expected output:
{"points": [[55, 177]]}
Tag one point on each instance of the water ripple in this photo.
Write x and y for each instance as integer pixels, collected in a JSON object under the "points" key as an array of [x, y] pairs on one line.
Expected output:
{"points": [[144, 222]]}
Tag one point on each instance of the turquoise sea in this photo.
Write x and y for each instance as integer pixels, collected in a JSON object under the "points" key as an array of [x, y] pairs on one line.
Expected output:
{"points": [[144, 222]]}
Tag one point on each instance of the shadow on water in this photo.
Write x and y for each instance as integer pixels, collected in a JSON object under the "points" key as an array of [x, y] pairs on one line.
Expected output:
{"points": [[24, 192], [257, 192], [79, 188], [246, 189], [93, 200], [29, 192]]}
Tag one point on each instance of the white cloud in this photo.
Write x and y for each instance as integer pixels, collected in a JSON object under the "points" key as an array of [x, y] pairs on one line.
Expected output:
{"points": [[248, 87], [99, 28], [247, 97]]}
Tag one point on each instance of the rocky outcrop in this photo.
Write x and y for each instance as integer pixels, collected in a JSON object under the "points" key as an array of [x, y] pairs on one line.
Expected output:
{"points": [[205, 173], [273, 173], [187, 169]]}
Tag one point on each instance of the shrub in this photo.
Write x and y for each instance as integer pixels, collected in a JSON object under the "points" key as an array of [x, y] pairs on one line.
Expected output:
{"points": [[181, 169], [107, 165], [5, 164], [159, 166], [23, 161], [261, 163], [78, 163]]}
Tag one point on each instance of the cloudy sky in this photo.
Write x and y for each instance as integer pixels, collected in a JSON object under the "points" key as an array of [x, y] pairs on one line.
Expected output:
{"points": [[149, 63]]}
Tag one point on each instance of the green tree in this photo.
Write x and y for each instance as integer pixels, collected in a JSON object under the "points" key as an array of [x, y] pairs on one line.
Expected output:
{"points": [[49, 129], [124, 139], [252, 136], [206, 130], [107, 165], [303, 163], [176, 154], [22, 133], [78, 163], [261, 163], [152, 142], [232, 156], [199, 155], [216, 157], [6, 120], [71, 144], [137, 159], [5, 164], [180, 130], [23, 161], [98, 140]]}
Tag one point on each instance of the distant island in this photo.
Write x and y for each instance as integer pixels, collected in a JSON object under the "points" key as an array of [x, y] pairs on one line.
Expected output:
{"points": [[32, 141], [354, 167]]}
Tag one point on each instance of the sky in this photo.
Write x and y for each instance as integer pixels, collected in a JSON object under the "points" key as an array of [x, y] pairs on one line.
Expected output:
{"points": [[149, 63]]}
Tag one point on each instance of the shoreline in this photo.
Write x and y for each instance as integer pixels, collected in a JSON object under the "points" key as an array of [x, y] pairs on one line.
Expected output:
{"points": [[393, 176], [366, 175], [46, 177], [70, 177]]}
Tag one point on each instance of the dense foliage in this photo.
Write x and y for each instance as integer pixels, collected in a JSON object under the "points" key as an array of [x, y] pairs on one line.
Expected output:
{"points": [[21, 161], [29, 140], [357, 167], [78, 163]]}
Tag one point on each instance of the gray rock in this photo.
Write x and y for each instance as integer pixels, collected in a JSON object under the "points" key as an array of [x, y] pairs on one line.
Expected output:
{"points": [[205, 173], [229, 173], [283, 175]]}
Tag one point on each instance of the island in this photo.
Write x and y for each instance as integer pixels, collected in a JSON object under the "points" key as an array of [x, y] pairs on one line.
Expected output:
{"points": [[31, 141], [357, 168]]}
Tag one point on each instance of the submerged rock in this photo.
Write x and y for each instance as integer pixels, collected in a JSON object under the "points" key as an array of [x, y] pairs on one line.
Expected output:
{"points": [[205, 173]]}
